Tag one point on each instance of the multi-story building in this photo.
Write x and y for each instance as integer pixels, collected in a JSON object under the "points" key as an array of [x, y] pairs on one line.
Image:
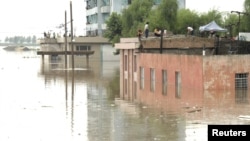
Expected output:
{"points": [[98, 11]]}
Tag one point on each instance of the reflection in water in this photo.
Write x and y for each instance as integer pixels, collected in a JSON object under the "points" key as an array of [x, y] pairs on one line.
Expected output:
{"points": [[66, 90], [113, 86], [241, 88], [72, 102], [241, 96], [48, 102]]}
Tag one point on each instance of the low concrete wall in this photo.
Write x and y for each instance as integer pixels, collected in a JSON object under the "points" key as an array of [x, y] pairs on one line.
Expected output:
{"points": [[178, 42]]}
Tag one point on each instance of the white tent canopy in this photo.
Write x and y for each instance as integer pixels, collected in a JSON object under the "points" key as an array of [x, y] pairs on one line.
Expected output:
{"points": [[212, 26]]}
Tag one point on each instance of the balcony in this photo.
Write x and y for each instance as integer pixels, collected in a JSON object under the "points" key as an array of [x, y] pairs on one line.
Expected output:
{"points": [[92, 11], [105, 9], [92, 26]]}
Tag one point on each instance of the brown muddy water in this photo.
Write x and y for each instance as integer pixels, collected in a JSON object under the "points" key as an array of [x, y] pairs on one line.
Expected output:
{"points": [[46, 102]]}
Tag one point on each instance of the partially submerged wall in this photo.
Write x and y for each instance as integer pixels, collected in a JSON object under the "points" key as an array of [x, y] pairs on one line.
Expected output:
{"points": [[219, 70]]}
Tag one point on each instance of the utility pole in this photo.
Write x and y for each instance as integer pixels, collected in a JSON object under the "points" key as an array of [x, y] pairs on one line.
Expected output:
{"points": [[238, 24], [66, 42], [239, 13], [71, 34], [161, 41]]}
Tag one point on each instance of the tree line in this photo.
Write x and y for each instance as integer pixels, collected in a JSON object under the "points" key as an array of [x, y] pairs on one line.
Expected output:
{"points": [[21, 39], [168, 16]]}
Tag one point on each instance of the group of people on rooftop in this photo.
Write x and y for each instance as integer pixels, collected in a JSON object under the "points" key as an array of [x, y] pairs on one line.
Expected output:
{"points": [[157, 31]]}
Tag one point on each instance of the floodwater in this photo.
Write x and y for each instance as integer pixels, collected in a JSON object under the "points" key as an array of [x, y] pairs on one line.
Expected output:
{"points": [[43, 101]]}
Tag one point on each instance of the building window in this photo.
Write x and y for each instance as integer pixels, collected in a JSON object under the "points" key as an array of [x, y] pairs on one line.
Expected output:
{"points": [[126, 62], [177, 85], [82, 48], [135, 89], [241, 80], [164, 82], [152, 79], [105, 2], [157, 2], [105, 16], [241, 87], [135, 64], [129, 2], [141, 78], [126, 86]]}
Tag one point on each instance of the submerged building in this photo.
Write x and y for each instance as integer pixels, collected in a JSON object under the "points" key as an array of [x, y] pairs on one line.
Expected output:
{"points": [[90, 53], [98, 11], [183, 70]]}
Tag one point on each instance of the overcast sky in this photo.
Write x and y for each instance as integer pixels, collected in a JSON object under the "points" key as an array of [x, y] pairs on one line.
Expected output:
{"points": [[37, 16], [221, 5]]}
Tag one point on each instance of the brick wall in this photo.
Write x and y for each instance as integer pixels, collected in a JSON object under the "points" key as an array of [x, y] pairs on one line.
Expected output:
{"points": [[190, 68]]}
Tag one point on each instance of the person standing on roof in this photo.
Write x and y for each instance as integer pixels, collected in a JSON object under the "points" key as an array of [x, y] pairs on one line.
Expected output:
{"points": [[190, 30], [146, 29]]}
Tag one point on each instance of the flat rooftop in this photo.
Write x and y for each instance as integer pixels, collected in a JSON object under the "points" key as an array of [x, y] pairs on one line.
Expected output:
{"points": [[167, 42]]}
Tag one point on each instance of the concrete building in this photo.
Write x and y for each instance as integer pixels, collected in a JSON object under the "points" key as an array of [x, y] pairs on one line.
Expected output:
{"points": [[98, 11], [182, 4], [102, 57], [183, 70]]}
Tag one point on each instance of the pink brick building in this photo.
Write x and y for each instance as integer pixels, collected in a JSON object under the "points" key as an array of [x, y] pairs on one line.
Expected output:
{"points": [[182, 74]]}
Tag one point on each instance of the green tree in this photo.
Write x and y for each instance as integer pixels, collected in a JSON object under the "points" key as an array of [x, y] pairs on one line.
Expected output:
{"points": [[33, 41], [246, 18], [6, 40], [21, 39], [212, 15], [114, 28], [134, 17], [164, 15], [113, 86], [11, 39], [167, 14], [185, 18], [15, 40], [28, 39], [230, 23]]}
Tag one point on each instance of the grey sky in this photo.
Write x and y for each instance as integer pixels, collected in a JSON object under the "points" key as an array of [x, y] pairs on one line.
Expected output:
{"points": [[36, 16]]}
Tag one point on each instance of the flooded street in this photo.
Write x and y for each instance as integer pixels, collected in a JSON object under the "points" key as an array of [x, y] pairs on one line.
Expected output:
{"points": [[43, 101]]}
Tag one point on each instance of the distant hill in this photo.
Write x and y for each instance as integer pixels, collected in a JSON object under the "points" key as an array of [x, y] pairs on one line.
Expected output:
{"points": [[12, 44]]}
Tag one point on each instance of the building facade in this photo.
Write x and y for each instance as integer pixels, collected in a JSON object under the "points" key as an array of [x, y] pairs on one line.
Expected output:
{"points": [[102, 56], [98, 11], [182, 73]]}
